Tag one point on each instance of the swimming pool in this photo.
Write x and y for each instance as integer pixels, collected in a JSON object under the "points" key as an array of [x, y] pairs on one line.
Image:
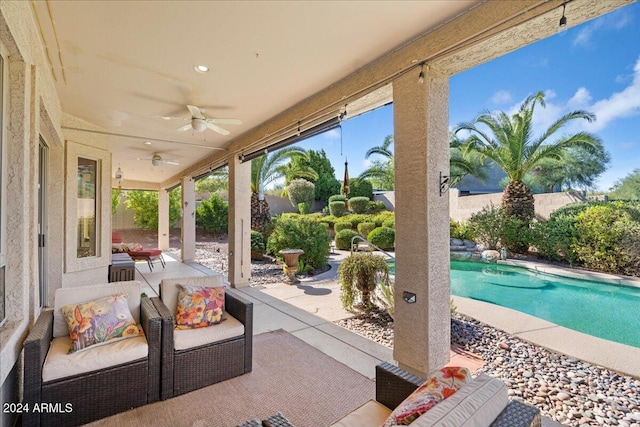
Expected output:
{"points": [[598, 309]]}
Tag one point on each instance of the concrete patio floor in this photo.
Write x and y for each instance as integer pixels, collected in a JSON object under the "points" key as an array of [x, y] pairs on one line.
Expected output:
{"points": [[307, 310]]}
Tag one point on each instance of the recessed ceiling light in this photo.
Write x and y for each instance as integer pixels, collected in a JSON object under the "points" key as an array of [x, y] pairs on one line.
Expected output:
{"points": [[201, 68], [147, 143]]}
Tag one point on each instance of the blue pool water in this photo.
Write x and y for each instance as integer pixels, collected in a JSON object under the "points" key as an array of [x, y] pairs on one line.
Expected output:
{"points": [[595, 308]]}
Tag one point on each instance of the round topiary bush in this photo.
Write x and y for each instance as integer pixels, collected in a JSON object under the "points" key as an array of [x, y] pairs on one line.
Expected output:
{"points": [[301, 233], [337, 208], [383, 237], [342, 225], [343, 239], [390, 223], [364, 228], [337, 198], [359, 204]]}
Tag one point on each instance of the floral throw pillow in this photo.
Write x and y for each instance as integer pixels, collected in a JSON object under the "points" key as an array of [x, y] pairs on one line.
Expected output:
{"points": [[99, 321], [199, 307], [439, 386]]}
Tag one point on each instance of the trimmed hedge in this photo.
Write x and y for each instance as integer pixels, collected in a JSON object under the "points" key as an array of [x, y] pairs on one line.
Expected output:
{"points": [[383, 237], [390, 223], [337, 198], [343, 239], [342, 225], [337, 208], [364, 228], [359, 204]]}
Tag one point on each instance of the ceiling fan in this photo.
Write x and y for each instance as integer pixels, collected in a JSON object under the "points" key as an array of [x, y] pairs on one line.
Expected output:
{"points": [[157, 160], [199, 123]]}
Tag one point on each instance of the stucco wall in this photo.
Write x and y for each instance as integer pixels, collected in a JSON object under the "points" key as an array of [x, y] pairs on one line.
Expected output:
{"points": [[278, 205], [461, 208]]}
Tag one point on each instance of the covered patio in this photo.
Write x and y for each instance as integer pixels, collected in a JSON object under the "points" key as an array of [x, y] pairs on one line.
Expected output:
{"points": [[93, 94]]}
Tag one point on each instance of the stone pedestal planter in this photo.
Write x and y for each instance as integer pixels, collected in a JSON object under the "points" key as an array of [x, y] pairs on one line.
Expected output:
{"points": [[291, 263]]}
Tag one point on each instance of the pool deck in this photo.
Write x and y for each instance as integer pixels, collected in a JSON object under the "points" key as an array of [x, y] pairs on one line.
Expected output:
{"points": [[618, 357]]}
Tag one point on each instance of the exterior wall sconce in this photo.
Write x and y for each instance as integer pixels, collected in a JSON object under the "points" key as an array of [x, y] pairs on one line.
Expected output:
{"points": [[409, 297], [563, 20], [446, 181]]}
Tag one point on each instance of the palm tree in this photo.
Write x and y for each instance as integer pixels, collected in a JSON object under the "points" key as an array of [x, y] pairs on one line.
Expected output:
{"points": [[381, 172], [464, 162], [511, 145]]}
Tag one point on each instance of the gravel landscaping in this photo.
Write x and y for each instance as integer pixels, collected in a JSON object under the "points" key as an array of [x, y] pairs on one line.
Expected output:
{"points": [[565, 389]]}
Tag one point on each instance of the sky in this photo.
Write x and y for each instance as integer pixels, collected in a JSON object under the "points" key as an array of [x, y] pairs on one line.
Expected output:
{"points": [[594, 66]]}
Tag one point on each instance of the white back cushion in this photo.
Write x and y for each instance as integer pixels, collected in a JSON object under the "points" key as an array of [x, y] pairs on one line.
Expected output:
{"points": [[475, 404], [80, 294], [169, 287]]}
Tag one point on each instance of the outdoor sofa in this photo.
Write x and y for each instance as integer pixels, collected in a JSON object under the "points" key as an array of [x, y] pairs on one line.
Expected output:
{"points": [[103, 379], [196, 358], [481, 402]]}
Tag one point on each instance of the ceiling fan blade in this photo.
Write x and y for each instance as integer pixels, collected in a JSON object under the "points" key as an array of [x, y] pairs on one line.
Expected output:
{"points": [[171, 162], [185, 127], [218, 129], [225, 121], [195, 111], [171, 118]]}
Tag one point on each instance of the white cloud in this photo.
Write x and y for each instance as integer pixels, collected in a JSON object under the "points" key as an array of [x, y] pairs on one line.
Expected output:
{"points": [[333, 134], [612, 21], [501, 97], [366, 163], [580, 99]]}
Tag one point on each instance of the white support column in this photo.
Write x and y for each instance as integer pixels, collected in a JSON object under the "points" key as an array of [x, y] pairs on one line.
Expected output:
{"points": [[163, 219], [188, 229], [422, 328], [239, 222]]}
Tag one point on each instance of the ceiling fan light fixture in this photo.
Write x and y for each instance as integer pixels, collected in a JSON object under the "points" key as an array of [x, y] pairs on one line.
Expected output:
{"points": [[198, 124], [156, 160], [201, 69]]}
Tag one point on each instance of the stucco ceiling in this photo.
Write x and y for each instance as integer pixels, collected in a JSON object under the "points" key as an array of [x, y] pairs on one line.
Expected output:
{"points": [[124, 65]]}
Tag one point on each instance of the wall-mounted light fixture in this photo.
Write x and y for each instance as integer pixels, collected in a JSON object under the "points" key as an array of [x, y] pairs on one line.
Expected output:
{"points": [[563, 19], [409, 297], [421, 75], [446, 181]]}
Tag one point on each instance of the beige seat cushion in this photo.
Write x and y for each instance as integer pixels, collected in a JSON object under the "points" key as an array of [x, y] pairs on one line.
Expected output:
{"points": [[60, 364], [370, 414], [188, 338], [80, 294], [169, 288], [476, 404]]}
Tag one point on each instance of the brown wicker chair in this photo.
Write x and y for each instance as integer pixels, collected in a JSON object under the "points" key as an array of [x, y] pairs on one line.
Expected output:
{"points": [[82, 398], [196, 367]]}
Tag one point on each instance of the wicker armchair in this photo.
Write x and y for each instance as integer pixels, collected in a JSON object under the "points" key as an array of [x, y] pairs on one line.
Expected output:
{"points": [[91, 395], [218, 359]]}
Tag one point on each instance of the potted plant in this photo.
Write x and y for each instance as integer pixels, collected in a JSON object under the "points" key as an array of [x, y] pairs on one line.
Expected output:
{"points": [[359, 274]]}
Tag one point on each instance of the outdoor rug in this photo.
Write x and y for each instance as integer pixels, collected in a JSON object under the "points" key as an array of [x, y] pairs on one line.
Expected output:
{"points": [[290, 376]]}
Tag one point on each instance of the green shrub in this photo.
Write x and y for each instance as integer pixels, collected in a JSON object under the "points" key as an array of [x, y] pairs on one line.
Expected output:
{"points": [[360, 188], [301, 233], [145, 207], [343, 239], [389, 223], [337, 209], [358, 204], [460, 230], [342, 225], [257, 245], [338, 198], [488, 226], [375, 206], [383, 237], [359, 274], [607, 237], [304, 208], [213, 214], [554, 238], [364, 228], [300, 191], [382, 217]]}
